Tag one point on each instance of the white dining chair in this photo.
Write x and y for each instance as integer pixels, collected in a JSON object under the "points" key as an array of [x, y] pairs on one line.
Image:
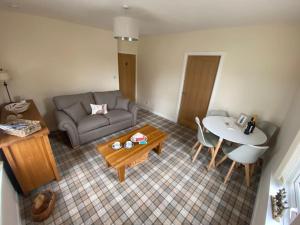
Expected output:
{"points": [[244, 154], [217, 113], [204, 140], [269, 129]]}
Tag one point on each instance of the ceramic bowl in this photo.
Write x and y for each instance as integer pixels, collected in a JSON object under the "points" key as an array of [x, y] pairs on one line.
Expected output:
{"points": [[17, 107]]}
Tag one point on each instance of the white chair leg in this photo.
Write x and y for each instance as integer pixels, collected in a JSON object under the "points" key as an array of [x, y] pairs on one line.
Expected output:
{"points": [[197, 153]]}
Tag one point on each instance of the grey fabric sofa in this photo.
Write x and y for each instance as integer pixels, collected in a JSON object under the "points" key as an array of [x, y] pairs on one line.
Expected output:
{"points": [[91, 127]]}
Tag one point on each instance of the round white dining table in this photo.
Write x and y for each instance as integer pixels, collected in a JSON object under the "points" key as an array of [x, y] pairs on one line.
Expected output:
{"points": [[226, 128]]}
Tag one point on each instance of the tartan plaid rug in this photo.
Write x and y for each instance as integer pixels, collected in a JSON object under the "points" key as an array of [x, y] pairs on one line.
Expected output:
{"points": [[165, 189]]}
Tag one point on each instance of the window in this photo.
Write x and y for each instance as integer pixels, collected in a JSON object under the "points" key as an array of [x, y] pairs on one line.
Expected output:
{"points": [[294, 198], [297, 191], [288, 172]]}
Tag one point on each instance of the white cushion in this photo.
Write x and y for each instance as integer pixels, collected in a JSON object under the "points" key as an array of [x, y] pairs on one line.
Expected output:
{"points": [[99, 109]]}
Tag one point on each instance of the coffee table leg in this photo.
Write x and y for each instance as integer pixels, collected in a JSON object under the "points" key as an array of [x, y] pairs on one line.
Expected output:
{"points": [[158, 148], [107, 164], [121, 173]]}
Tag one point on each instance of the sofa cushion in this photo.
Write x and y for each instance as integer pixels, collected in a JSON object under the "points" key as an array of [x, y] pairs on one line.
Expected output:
{"points": [[75, 111], [122, 103], [107, 97], [117, 115], [99, 109], [65, 101], [91, 122]]}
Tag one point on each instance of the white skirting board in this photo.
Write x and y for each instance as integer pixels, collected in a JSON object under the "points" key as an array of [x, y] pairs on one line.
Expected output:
{"points": [[156, 113]]}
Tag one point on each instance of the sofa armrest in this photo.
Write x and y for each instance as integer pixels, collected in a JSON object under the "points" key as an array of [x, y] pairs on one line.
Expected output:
{"points": [[132, 107], [65, 123]]}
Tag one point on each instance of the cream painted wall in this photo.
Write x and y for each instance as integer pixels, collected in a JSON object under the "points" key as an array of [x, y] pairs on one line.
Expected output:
{"points": [[259, 75], [128, 47], [48, 57], [2, 90]]}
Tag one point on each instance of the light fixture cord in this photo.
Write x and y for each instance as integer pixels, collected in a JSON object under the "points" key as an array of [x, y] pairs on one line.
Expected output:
{"points": [[125, 9]]}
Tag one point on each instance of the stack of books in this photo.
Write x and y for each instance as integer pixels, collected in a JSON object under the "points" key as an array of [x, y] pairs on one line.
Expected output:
{"points": [[139, 138]]}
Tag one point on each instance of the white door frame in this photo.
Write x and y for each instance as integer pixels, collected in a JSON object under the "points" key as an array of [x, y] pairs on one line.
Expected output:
{"points": [[217, 79]]}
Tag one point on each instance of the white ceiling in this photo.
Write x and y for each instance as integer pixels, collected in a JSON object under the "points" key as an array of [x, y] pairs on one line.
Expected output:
{"points": [[164, 16]]}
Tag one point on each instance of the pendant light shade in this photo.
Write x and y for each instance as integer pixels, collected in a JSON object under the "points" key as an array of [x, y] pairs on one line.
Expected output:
{"points": [[126, 28]]}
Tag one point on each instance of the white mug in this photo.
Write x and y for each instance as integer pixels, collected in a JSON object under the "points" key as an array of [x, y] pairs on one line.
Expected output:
{"points": [[128, 144], [117, 144]]}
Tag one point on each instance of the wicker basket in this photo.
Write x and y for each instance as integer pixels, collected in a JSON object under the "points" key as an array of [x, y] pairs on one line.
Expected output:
{"points": [[43, 205], [32, 126], [138, 161]]}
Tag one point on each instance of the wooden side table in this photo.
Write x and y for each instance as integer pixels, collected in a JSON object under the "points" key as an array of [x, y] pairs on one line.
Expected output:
{"points": [[31, 157]]}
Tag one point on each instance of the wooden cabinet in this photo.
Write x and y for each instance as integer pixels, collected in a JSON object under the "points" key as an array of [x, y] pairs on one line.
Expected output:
{"points": [[31, 157]]}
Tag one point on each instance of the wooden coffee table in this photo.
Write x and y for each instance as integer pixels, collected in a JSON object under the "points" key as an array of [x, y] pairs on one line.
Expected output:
{"points": [[120, 159]]}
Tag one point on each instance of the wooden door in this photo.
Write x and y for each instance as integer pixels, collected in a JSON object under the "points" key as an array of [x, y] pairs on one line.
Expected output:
{"points": [[199, 80], [127, 75]]}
